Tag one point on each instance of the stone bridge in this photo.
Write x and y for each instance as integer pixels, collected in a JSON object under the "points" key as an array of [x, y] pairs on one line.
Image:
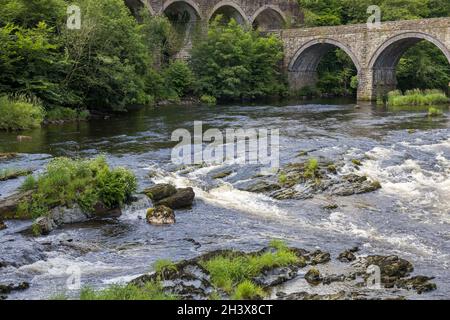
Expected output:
{"points": [[264, 14], [375, 51]]}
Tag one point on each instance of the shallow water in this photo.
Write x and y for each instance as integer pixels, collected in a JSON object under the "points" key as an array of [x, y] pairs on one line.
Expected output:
{"points": [[407, 152]]}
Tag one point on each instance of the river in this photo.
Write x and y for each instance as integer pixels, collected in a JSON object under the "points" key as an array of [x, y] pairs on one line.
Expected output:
{"points": [[406, 151]]}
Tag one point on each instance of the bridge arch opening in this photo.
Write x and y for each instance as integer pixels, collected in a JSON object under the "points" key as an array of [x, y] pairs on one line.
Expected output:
{"points": [[228, 10], [387, 60], [185, 17], [314, 65], [136, 6], [268, 18]]}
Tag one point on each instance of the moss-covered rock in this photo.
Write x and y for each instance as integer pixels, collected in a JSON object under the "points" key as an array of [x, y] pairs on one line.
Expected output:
{"points": [[160, 191], [182, 199], [160, 215], [313, 277]]}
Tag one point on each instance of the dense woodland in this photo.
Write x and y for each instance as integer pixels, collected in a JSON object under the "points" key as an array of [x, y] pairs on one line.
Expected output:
{"points": [[117, 59]]}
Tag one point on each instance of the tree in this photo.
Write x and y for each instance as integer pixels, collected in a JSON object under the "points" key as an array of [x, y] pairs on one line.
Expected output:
{"points": [[233, 63]]}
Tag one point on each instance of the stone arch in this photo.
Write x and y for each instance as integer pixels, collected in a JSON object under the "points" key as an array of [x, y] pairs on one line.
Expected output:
{"points": [[303, 65], [148, 6], [186, 17], [230, 9], [269, 17], [136, 5], [188, 5], [386, 58]]}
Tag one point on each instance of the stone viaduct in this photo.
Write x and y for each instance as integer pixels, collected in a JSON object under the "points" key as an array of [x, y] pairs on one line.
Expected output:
{"points": [[264, 14], [375, 51]]}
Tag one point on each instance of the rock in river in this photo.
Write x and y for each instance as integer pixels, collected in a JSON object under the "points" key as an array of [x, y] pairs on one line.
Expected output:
{"points": [[8, 206], [180, 200], [313, 277], [2, 225], [160, 191], [160, 215]]}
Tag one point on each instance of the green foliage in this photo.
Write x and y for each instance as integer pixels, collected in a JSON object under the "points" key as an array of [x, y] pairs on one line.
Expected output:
{"points": [[233, 63], [282, 178], [208, 100], [66, 114], [308, 92], [108, 64], [20, 113], [434, 112], [85, 182], [29, 13], [30, 183], [179, 78], [247, 290], [311, 169], [337, 74], [423, 66], [150, 291], [164, 265], [417, 98], [229, 270]]}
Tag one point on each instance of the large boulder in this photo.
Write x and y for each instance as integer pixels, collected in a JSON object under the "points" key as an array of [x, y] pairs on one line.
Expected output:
{"points": [[64, 215], [390, 266], [7, 155], [160, 191], [183, 198], [160, 215], [8, 206]]}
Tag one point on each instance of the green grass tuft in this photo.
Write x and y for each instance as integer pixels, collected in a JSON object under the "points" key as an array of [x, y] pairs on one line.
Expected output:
{"points": [[434, 112], [66, 114], [311, 169], [247, 290], [150, 291], [228, 271], [20, 113], [164, 265], [417, 97]]}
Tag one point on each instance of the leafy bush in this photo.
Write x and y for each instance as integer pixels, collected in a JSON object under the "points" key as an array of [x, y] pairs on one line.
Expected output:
{"points": [[85, 182], [208, 100], [179, 78], [233, 63], [20, 113]]}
